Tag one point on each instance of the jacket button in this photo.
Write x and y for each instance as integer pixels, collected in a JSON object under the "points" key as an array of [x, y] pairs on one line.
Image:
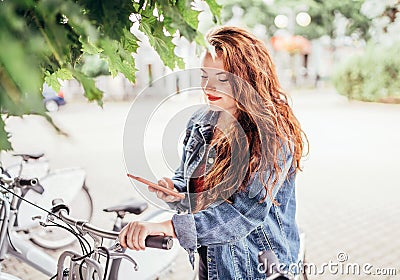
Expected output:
{"points": [[210, 160]]}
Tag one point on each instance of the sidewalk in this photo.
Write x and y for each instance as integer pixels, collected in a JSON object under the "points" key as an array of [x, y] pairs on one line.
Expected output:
{"points": [[348, 193]]}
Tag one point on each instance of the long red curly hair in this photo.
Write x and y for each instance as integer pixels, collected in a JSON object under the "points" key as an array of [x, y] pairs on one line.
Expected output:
{"points": [[263, 113]]}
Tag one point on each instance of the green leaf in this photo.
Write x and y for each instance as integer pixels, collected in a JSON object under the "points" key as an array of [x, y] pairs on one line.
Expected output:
{"points": [[112, 17], [4, 136], [180, 17], [129, 41], [19, 56], [118, 59], [189, 15], [161, 43], [215, 9], [53, 80], [91, 91], [88, 47], [64, 74]]}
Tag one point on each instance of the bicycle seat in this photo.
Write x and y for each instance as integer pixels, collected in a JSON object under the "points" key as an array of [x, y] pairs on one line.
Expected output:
{"points": [[133, 206], [27, 157]]}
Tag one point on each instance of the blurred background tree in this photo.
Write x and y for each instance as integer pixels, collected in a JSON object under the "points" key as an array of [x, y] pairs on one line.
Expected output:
{"points": [[385, 20], [323, 15], [374, 74], [343, 28], [49, 40]]}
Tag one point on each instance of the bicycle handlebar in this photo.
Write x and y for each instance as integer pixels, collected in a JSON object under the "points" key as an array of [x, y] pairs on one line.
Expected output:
{"points": [[28, 182], [6, 179], [32, 184], [152, 241]]}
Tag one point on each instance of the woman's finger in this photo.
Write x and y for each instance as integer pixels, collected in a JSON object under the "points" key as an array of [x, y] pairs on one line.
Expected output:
{"points": [[168, 183], [142, 238], [130, 235], [162, 183], [122, 236], [161, 195], [171, 198], [135, 237]]}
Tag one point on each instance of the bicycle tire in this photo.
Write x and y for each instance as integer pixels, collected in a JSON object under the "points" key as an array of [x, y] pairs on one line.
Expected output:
{"points": [[49, 238]]}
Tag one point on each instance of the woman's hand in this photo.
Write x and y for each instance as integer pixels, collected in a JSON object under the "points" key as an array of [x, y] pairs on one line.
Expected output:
{"points": [[167, 183], [134, 234]]}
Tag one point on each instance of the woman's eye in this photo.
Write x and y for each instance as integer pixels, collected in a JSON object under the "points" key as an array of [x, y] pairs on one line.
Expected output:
{"points": [[204, 77], [223, 78]]}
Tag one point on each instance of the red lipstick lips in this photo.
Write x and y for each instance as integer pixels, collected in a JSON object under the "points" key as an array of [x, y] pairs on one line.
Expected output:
{"points": [[212, 97]]}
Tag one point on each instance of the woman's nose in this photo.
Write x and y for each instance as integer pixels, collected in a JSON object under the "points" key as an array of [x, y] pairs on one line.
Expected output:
{"points": [[209, 85]]}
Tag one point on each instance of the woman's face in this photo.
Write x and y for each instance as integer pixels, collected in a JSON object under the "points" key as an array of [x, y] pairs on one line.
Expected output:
{"points": [[215, 84]]}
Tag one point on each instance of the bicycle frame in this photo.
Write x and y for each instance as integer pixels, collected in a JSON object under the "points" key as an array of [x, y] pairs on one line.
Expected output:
{"points": [[18, 247], [91, 265]]}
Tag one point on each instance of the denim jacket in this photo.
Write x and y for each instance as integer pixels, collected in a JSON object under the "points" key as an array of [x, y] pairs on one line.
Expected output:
{"points": [[235, 232]]}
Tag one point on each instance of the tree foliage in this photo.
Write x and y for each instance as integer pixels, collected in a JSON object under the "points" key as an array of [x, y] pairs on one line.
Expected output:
{"points": [[48, 40], [322, 15], [371, 76], [385, 18]]}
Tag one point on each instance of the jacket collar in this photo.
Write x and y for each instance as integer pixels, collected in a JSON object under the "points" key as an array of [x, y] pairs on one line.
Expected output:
{"points": [[207, 118]]}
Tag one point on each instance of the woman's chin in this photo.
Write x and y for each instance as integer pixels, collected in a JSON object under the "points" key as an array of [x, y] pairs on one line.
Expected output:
{"points": [[215, 107]]}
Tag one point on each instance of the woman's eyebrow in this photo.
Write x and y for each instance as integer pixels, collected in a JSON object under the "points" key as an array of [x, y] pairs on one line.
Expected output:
{"points": [[219, 73]]}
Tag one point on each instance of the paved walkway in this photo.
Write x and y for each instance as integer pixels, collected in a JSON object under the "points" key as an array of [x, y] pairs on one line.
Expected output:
{"points": [[347, 195], [349, 191]]}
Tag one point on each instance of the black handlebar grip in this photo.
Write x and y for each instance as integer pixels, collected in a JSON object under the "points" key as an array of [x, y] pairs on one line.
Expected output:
{"points": [[159, 242], [28, 182], [32, 184]]}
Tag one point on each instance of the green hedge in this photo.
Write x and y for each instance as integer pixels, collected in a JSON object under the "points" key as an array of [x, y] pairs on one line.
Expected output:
{"points": [[372, 76]]}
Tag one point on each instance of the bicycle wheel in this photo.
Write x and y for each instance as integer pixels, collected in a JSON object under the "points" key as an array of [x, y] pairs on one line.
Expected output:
{"points": [[55, 237], [68, 184]]}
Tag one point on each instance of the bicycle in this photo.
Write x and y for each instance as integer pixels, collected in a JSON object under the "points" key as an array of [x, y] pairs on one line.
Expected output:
{"points": [[88, 265], [10, 193], [10, 242], [68, 183]]}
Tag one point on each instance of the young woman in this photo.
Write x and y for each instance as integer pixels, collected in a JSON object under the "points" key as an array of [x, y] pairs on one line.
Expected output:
{"points": [[238, 168]]}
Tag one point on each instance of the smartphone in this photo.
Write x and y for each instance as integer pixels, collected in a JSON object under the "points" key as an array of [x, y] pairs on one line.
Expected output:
{"points": [[156, 186]]}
